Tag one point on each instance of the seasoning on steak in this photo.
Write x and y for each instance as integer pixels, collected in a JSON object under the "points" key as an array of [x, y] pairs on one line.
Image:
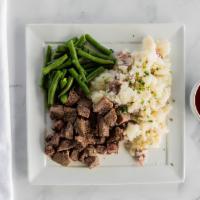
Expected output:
{"points": [[56, 112], [103, 128], [90, 150], [66, 145], [54, 140], [103, 106], [114, 86], [68, 131], [91, 161], [58, 125], [62, 158], [116, 135], [83, 111], [110, 118], [70, 114], [74, 155], [123, 118], [101, 149], [112, 148], [49, 150], [72, 98], [82, 126], [85, 102], [82, 141]]}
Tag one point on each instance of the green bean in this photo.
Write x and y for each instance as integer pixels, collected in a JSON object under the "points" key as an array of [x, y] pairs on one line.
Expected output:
{"points": [[93, 58], [82, 85], [63, 83], [65, 64], [97, 45], [48, 55], [75, 59], [89, 65], [81, 41], [89, 70], [64, 98], [54, 65], [53, 87], [97, 54], [95, 73], [67, 87]]}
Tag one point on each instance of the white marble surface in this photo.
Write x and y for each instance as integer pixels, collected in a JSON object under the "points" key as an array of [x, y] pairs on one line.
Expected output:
{"points": [[22, 12]]}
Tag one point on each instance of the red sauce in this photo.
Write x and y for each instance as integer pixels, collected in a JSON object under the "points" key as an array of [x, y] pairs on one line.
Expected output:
{"points": [[197, 100]]}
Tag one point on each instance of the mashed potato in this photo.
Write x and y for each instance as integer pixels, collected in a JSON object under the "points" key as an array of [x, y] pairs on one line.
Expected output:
{"points": [[145, 78]]}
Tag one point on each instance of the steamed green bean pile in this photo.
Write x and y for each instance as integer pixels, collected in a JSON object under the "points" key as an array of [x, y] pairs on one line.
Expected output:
{"points": [[74, 63]]}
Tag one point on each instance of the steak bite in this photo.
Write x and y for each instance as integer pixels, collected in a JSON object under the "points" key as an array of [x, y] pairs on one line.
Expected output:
{"points": [[74, 155], [58, 125], [81, 142], [101, 149], [54, 139], [72, 98], [82, 126], [91, 161], [100, 140], [103, 106], [49, 150], [85, 102], [83, 111], [116, 136], [56, 112], [123, 118], [62, 158], [90, 150], [110, 118], [112, 148], [68, 131], [103, 128], [70, 114], [66, 145]]}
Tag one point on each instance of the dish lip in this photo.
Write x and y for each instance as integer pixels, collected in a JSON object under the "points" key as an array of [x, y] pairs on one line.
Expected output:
{"points": [[181, 177]]}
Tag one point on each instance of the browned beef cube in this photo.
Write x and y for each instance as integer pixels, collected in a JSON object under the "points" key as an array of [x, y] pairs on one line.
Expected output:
{"points": [[85, 102], [83, 111], [54, 140], [70, 114], [83, 156], [112, 148], [58, 125], [68, 131], [56, 112], [81, 140], [101, 149], [91, 139], [123, 118], [91, 161], [103, 128], [116, 136], [62, 158], [66, 145], [114, 86], [103, 106], [90, 150], [49, 150], [100, 140], [110, 118], [72, 98], [82, 126], [74, 155]]}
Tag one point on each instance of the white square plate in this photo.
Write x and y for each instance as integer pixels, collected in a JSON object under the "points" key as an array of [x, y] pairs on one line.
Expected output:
{"points": [[165, 164]]}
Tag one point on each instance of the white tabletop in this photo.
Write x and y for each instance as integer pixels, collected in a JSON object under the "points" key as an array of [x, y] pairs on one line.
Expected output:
{"points": [[22, 12]]}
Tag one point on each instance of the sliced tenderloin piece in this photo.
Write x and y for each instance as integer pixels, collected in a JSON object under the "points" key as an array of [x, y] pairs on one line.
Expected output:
{"points": [[101, 149], [49, 150], [114, 86], [66, 145], [58, 125], [54, 140], [81, 140], [73, 98], [91, 161], [68, 131], [83, 111], [103, 128], [110, 118], [85, 102], [74, 155], [103, 106], [62, 158], [82, 126], [70, 114], [123, 118], [56, 112], [112, 148], [100, 140]]}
